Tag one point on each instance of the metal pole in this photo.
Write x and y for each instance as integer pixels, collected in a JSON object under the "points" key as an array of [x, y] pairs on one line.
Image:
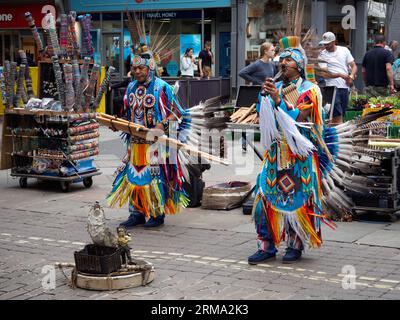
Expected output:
{"points": [[121, 49], [251, 144], [333, 103], [202, 28]]}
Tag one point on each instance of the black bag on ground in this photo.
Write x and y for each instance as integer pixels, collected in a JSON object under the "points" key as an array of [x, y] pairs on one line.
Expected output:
{"points": [[248, 205], [195, 188]]}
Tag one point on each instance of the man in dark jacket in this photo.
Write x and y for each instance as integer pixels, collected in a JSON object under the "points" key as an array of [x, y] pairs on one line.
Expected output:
{"points": [[377, 70]]}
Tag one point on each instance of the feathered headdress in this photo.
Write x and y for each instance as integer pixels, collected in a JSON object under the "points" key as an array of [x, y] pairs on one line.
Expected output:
{"points": [[148, 44], [300, 45]]}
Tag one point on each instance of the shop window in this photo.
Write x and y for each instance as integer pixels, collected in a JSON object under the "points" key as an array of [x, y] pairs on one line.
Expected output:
{"points": [[267, 22], [96, 37], [376, 21], [112, 22], [28, 45], [177, 35], [342, 35]]}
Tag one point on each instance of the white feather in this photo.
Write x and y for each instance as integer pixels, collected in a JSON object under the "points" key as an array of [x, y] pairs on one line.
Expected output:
{"points": [[298, 143], [268, 129], [176, 88]]}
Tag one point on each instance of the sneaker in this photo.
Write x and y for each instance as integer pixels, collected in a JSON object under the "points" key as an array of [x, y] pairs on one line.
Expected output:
{"points": [[292, 255], [261, 256], [155, 222], [133, 220]]}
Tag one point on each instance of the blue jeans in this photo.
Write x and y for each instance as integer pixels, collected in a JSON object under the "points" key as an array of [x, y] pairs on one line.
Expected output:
{"points": [[266, 241]]}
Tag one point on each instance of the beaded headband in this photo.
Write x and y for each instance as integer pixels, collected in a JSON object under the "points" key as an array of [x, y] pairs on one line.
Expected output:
{"points": [[139, 61]]}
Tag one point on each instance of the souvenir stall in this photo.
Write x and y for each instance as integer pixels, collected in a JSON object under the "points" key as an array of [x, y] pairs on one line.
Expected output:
{"points": [[377, 168], [371, 170], [54, 135]]}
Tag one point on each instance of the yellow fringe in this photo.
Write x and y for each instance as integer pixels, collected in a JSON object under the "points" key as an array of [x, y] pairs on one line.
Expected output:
{"points": [[304, 220], [139, 154], [145, 199], [274, 219]]}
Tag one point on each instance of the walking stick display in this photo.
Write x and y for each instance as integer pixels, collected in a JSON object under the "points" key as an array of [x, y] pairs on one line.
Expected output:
{"points": [[90, 89], [59, 81], [64, 34], [45, 137], [73, 45], [28, 78], [82, 84], [20, 85], [13, 75], [69, 88], [35, 33], [103, 86], [52, 32]]}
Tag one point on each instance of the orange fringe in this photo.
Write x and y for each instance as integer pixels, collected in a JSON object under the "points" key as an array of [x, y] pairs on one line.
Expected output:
{"points": [[139, 154]]}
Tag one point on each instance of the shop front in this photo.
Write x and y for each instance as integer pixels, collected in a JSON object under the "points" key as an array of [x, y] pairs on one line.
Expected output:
{"points": [[15, 33], [183, 23], [267, 21], [256, 21]]}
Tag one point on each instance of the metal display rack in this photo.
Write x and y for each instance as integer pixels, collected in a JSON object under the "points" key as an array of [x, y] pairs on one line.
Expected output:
{"points": [[383, 175]]}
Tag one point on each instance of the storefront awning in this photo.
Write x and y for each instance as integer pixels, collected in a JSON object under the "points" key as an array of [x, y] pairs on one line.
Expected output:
{"points": [[144, 5]]}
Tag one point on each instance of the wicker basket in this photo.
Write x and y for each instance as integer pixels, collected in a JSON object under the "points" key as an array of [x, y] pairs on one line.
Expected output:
{"points": [[225, 196], [94, 259]]}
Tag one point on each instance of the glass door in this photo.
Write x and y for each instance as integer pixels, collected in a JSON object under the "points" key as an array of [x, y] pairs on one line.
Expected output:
{"points": [[111, 52]]}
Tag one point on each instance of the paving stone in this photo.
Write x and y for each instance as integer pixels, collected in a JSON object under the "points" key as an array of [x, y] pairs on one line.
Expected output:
{"points": [[13, 294]]}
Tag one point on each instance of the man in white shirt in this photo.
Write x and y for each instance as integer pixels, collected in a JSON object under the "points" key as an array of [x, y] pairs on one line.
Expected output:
{"points": [[342, 72]]}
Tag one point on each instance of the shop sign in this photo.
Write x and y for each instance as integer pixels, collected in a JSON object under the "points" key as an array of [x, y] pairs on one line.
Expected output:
{"points": [[14, 17], [194, 14], [118, 5]]}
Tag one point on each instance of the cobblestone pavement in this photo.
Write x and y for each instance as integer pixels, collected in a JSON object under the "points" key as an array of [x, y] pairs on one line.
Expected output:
{"points": [[190, 263], [199, 254]]}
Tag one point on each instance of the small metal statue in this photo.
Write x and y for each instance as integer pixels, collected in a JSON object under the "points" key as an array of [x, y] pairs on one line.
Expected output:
{"points": [[123, 243]]}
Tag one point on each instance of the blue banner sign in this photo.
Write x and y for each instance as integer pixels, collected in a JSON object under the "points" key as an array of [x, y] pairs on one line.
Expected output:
{"points": [[190, 41], [123, 5]]}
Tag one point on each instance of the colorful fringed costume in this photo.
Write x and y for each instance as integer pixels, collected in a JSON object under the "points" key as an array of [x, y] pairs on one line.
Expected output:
{"points": [[289, 200], [151, 178], [289, 185]]}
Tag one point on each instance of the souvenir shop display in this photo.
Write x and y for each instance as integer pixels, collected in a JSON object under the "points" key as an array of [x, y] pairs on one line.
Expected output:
{"points": [[54, 135]]}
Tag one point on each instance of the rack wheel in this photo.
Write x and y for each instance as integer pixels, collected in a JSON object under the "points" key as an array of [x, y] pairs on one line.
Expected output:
{"points": [[88, 182], [65, 185], [23, 182]]}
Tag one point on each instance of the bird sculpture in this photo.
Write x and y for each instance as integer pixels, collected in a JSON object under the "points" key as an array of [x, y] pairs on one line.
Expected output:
{"points": [[98, 229]]}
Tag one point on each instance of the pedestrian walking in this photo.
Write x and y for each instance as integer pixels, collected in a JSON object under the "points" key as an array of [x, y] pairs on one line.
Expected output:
{"points": [[396, 72], [342, 71], [264, 67], [377, 70], [258, 71]]}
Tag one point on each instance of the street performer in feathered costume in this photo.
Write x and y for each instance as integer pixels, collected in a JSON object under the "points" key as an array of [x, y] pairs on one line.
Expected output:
{"points": [[288, 202], [151, 177]]}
